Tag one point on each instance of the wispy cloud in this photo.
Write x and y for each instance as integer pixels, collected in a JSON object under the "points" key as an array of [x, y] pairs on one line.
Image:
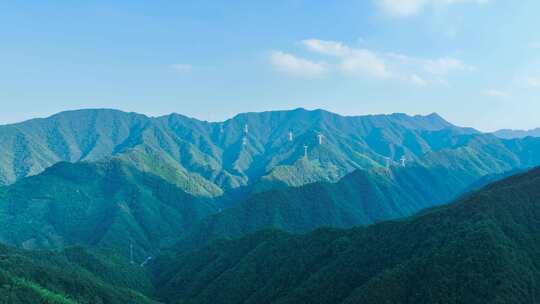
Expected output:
{"points": [[496, 93], [417, 80], [531, 82], [369, 63], [432, 68], [534, 45], [405, 8], [443, 66], [294, 65], [182, 67]]}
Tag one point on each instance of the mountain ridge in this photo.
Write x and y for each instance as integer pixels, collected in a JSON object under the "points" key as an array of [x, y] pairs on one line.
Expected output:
{"points": [[434, 116], [514, 133], [360, 198], [214, 151], [481, 248]]}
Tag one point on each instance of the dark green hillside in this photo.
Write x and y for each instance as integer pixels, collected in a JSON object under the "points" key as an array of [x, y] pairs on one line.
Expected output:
{"points": [[360, 198], [484, 248], [70, 276], [105, 204]]}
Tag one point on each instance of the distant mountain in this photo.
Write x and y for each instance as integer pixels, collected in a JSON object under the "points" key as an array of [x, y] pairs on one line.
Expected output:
{"points": [[251, 150], [70, 276], [107, 204], [510, 134], [484, 248]]}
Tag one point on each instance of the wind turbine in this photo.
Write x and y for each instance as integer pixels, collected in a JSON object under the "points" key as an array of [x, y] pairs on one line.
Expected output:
{"points": [[403, 161], [131, 252], [320, 137]]}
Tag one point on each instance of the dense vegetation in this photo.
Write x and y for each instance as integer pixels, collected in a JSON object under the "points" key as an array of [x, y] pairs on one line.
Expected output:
{"points": [[484, 248], [361, 198], [209, 159], [112, 204], [481, 248], [111, 181], [70, 276], [106, 204]]}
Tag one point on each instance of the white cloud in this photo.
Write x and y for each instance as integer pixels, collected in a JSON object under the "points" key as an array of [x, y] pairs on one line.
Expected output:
{"points": [[417, 80], [534, 45], [326, 47], [405, 8], [435, 67], [351, 61], [364, 62], [182, 67], [532, 82], [496, 93], [291, 64], [445, 65]]}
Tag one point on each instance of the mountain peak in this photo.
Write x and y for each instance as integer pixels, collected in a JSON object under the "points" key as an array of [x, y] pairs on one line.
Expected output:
{"points": [[434, 115], [511, 134], [436, 118]]}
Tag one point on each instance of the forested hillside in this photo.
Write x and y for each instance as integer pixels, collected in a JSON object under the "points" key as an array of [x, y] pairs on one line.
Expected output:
{"points": [[107, 204], [480, 249], [70, 276], [257, 151]]}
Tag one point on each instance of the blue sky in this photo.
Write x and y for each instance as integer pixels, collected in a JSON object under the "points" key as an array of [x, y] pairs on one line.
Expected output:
{"points": [[475, 62]]}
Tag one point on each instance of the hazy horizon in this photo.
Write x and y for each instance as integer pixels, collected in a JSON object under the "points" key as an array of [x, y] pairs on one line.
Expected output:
{"points": [[213, 59], [234, 115]]}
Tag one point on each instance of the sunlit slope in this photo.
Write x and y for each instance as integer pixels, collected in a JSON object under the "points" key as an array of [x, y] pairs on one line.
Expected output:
{"points": [[105, 204]]}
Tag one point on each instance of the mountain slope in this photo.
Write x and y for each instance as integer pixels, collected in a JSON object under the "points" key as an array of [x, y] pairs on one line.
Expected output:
{"points": [[70, 276], [106, 204], [361, 198], [209, 158], [483, 248], [128, 158]]}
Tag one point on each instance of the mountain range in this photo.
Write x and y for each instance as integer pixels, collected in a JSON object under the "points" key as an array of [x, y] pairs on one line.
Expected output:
{"points": [[480, 248], [483, 248], [208, 159], [509, 133], [109, 179], [104, 206]]}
